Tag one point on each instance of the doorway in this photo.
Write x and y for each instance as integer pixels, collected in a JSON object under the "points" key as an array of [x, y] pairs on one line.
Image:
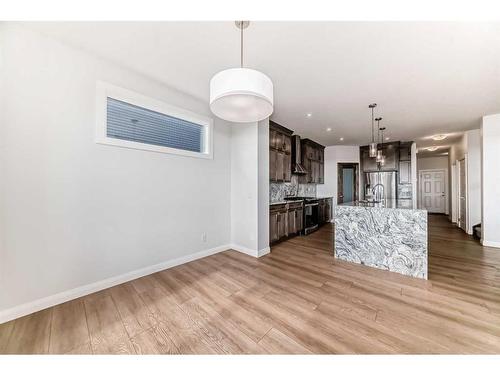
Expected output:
{"points": [[433, 190], [347, 182], [462, 195]]}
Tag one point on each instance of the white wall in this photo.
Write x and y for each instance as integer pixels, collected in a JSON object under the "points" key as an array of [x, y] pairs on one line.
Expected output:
{"points": [[74, 212], [250, 188], [414, 174], [334, 155], [491, 180], [263, 188], [244, 186], [435, 162]]}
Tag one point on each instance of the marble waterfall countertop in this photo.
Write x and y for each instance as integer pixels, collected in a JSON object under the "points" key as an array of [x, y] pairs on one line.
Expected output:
{"points": [[391, 235], [385, 203]]}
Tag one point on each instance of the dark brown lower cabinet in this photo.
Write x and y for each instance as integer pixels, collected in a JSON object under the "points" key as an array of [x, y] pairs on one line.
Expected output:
{"points": [[285, 220], [299, 221], [328, 210], [278, 222], [295, 219], [325, 210]]}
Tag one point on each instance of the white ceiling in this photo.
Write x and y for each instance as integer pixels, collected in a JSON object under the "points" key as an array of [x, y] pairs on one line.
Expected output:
{"points": [[427, 78]]}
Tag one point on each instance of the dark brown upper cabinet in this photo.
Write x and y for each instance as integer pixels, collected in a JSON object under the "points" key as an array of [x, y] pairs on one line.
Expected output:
{"points": [[313, 159], [280, 153]]}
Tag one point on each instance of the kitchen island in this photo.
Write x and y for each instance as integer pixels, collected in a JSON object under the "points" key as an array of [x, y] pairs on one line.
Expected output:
{"points": [[389, 235]]}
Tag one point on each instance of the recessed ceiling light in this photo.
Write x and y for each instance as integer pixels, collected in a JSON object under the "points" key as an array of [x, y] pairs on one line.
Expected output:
{"points": [[387, 138], [309, 114], [341, 139], [433, 148], [439, 137], [328, 129]]}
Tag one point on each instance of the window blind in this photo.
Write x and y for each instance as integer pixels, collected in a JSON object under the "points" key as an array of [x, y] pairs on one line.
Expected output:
{"points": [[133, 123]]}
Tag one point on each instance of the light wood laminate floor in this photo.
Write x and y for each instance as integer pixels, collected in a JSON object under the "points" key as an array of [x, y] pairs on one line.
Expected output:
{"points": [[298, 299]]}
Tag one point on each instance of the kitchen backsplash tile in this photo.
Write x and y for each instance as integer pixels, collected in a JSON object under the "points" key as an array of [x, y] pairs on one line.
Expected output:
{"points": [[279, 190]]}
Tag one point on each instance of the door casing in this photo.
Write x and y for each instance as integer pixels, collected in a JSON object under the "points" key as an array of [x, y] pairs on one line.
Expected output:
{"points": [[340, 187]]}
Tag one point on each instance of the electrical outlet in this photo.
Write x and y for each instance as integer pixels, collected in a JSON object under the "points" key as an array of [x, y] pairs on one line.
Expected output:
{"points": [[204, 237]]}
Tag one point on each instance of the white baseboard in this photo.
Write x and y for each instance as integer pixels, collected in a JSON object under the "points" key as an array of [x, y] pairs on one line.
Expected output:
{"points": [[251, 252], [56, 299], [264, 251], [490, 243]]}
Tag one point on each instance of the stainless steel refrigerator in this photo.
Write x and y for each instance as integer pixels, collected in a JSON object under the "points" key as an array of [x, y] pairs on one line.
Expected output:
{"points": [[384, 184]]}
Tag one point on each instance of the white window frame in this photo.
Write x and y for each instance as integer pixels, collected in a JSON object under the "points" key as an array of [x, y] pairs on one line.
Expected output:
{"points": [[106, 90]]}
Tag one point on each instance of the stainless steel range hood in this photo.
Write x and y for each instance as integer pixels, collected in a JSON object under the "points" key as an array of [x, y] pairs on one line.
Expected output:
{"points": [[297, 167]]}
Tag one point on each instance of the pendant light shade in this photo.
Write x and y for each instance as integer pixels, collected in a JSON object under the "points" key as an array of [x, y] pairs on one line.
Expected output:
{"points": [[241, 95], [380, 159], [372, 151]]}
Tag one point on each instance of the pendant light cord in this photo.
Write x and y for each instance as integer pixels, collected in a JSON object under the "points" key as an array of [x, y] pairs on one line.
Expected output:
{"points": [[378, 131], [241, 46], [372, 126]]}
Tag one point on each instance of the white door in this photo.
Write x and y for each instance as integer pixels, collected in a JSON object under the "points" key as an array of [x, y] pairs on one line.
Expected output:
{"points": [[462, 195], [433, 191]]}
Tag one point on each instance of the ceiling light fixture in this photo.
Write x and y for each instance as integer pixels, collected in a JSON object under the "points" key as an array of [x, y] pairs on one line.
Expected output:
{"points": [[309, 115], [328, 129], [379, 155], [439, 137], [342, 139], [241, 94], [373, 146], [433, 148]]}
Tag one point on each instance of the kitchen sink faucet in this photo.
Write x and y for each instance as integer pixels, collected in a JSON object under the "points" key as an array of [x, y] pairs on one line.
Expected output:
{"points": [[376, 191]]}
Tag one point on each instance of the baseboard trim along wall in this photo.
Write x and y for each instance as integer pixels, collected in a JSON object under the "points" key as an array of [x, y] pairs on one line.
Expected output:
{"points": [[251, 252], [490, 243], [263, 251], [56, 299]]}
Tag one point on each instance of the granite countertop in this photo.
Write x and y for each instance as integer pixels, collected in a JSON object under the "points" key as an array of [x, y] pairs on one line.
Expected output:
{"points": [[280, 202], [299, 200], [406, 204]]}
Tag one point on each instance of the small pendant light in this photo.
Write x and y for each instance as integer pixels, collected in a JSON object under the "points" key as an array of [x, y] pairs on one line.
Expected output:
{"points": [[373, 146], [379, 153], [381, 158]]}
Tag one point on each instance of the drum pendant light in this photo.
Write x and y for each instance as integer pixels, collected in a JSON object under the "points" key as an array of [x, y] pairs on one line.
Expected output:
{"points": [[241, 94], [372, 152]]}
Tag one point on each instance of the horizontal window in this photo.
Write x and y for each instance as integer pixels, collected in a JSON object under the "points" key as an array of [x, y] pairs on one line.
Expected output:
{"points": [[134, 121]]}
